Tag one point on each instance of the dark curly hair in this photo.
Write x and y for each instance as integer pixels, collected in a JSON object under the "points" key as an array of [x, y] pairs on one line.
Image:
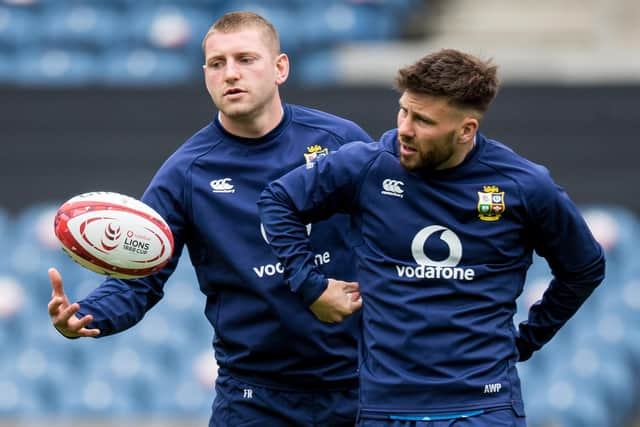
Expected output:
{"points": [[463, 79]]}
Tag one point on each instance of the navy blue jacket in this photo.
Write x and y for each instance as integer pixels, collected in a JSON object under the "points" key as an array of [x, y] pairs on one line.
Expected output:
{"points": [[442, 258], [207, 192]]}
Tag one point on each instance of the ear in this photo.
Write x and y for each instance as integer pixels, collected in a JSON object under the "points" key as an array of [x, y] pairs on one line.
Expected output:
{"points": [[282, 68], [468, 129]]}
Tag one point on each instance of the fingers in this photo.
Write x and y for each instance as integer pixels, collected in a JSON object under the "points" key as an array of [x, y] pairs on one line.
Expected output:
{"points": [[78, 326], [66, 316], [55, 305], [63, 315], [355, 304], [71, 326], [338, 301], [56, 283], [350, 287]]}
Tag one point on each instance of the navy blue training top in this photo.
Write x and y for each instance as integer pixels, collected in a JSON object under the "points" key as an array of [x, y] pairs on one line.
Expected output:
{"points": [[442, 258], [207, 192]]}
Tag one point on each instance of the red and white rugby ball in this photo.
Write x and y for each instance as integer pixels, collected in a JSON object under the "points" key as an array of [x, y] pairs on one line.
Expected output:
{"points": [[113, 234]]}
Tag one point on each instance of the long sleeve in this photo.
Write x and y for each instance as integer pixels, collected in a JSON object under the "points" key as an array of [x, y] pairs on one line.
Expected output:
{"points": [[118, 304], [577, 262], [307, 195]]}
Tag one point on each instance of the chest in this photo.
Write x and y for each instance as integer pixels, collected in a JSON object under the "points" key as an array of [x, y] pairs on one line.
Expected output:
{"points": [[226, 183], [471, 220]]}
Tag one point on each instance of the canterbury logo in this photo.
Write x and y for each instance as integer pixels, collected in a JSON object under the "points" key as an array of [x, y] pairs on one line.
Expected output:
{"points": [[392, 187], [222, 186]]}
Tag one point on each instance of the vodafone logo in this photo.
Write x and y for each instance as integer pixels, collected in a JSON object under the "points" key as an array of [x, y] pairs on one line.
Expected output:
{"points": [[427, 268], [110, 237], [448, 236]]}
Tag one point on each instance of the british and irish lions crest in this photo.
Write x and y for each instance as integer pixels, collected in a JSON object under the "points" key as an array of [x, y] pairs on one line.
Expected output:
{"points": [[314, 153], [490, 203]]}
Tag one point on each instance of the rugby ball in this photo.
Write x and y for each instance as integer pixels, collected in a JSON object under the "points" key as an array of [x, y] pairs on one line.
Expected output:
{"points": [[113, 234]]}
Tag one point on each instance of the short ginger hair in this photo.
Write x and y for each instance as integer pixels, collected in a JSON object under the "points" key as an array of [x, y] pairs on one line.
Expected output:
{"points": [[236, 21]]}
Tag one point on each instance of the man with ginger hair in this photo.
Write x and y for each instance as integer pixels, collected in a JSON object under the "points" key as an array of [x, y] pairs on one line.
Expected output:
{"points": [[278, 365]]}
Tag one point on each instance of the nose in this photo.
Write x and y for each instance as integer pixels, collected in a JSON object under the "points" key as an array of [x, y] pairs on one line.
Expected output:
{"points": [[405, 127], [231, 71]]}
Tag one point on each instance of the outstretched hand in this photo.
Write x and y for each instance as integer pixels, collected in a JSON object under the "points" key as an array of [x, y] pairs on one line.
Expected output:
{"points": [[63, 314], [338, 301]]}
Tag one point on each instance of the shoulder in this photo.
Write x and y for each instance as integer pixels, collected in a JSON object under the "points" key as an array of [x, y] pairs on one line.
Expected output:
{"points": [[340, 128], [196, 146], [536, 188], [178, 164], [531, 177], [361, 156]]}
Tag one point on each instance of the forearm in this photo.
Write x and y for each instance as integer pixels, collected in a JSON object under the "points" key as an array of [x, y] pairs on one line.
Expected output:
{"points": [[287, 235], [559, 303], [116, 305]]}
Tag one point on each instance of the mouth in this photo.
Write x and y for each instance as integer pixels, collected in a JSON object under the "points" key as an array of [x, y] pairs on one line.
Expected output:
{"points": [[233, 91], [406, 149]]}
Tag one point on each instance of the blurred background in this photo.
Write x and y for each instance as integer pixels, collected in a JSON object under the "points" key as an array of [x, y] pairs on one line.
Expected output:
{"points": [[95, 94]]}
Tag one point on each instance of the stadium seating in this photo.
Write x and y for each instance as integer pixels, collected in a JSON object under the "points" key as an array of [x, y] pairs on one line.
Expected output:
{"points": [[80, 24], [56, 66], [143, 66], [127, 42], [17, 26]]}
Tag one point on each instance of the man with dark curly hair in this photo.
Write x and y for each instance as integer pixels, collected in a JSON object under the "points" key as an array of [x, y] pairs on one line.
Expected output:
{"points": [[447, 222]]}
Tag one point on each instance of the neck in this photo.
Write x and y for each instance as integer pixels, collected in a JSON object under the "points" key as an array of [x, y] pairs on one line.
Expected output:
{"points": [[459, 156], [253, 125]]}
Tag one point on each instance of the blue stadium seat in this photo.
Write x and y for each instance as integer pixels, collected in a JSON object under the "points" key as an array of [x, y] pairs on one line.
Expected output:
{"points": [[34, 236], [316, 67], [38, 378], [189, 392], [186, 399], [7, 66], [334, 21], [36, 249], [168, 26], [10, 395], [213, 7], [560, 408], [18, 26], [148, 67], [17, 313], [6, 224], [57, 67], [618, 231], [91, 25]]}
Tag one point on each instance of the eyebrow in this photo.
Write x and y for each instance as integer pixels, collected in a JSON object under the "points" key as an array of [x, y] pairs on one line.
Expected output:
{"points": [[418, 115], [236, 54]]}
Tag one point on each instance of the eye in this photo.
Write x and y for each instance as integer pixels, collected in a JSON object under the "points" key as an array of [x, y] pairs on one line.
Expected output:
{"points": [[215, 65], [247, 60]]}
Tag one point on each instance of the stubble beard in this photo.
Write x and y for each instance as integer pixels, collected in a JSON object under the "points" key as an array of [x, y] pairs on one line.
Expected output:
{"points": [[431, 160]]}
